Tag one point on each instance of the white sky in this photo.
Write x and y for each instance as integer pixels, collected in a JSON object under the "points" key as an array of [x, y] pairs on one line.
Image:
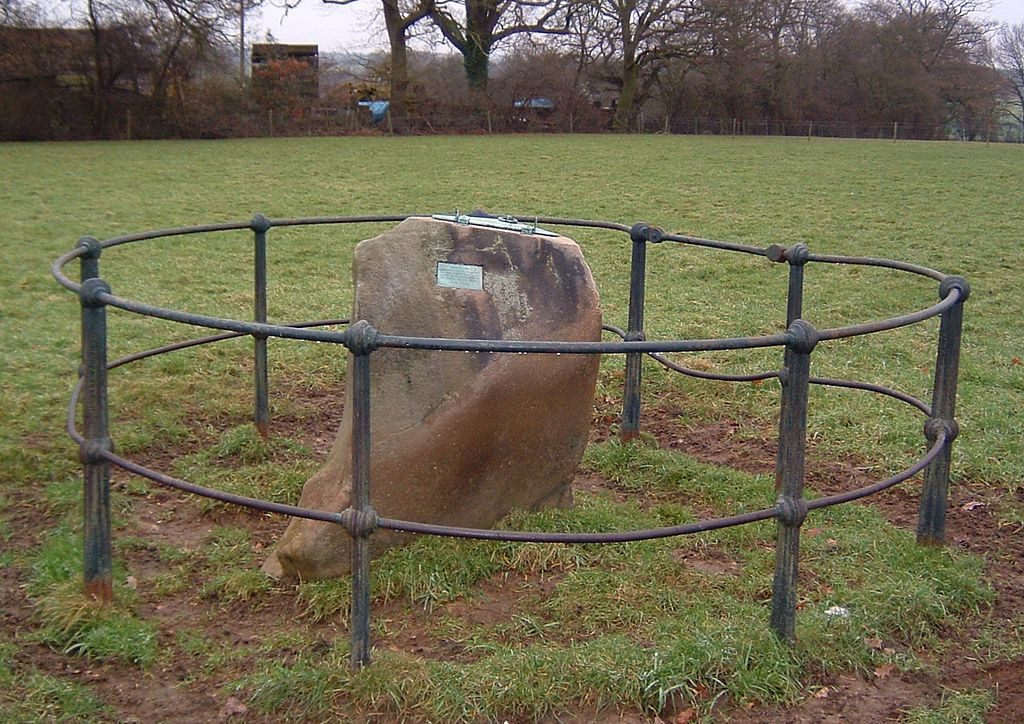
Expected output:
{"points": [[354, 27]]}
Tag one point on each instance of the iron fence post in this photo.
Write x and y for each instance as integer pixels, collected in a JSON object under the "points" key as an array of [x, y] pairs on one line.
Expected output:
{"points": [[796, 257], [261, 416], [362, 520], [640, 234], [789, 476], [97, 560], [931, 521]]}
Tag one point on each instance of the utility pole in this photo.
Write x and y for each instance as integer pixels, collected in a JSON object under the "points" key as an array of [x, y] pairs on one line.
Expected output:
{"points": [[241, 42]]}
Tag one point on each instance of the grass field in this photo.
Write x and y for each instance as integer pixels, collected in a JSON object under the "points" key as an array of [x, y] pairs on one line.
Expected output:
{"points": [[580, 630]]}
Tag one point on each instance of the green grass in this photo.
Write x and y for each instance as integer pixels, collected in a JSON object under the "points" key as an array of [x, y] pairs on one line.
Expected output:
{"points": [[77, 625], [633, 625], [74, 624], [655, 636], [956, 707], [937, 204], [231, 568], [27, 694]]}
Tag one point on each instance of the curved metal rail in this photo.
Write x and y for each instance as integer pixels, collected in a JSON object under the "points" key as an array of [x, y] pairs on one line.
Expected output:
{"points": [[360, 520]]}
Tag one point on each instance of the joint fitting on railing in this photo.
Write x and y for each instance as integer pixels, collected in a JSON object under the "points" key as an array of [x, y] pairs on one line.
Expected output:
{"points": [[791, 512], [359, 523], [635, 336], [802, 336], [638, 232], [92, 247], [92, 451], [641, 232], [933, 426], [260, 224], [796, 255], [361, 338], [950, 283], [90, 292]]}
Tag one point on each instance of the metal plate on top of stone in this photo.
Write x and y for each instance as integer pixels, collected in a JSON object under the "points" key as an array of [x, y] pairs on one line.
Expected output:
{"points": [[505, 223], [459, 439]]}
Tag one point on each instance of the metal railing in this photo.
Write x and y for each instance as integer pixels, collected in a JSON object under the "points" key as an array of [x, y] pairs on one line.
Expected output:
{"points": [[360, 520]]}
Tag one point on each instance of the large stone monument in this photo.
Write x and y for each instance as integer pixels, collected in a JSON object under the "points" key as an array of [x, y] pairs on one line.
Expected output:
{"points": [[459, 438]]}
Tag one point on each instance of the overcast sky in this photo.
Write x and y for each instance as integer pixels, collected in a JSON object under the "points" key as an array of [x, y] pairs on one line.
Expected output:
{"points": [[354, 27]]}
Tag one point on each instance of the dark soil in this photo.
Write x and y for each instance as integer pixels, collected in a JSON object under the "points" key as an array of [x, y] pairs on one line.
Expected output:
{"points": [[179, 690]]}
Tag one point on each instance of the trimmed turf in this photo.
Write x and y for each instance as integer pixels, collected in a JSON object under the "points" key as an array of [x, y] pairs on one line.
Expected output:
{"points": [[950, 206]]}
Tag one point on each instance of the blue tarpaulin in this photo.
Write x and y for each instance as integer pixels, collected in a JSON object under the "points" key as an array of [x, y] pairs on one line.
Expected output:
{"points": [[541, 104], [378, 109]]}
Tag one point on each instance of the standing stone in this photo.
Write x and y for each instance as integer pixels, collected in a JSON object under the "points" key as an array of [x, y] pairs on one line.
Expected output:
{"points": [[459, 438]]}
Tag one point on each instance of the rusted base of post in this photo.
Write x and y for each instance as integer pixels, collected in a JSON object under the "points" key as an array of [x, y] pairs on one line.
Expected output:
{"points": [[100, 589]]}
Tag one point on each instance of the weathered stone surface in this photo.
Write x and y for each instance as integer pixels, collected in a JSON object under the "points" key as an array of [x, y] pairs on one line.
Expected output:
{"points": [[459, 438]]}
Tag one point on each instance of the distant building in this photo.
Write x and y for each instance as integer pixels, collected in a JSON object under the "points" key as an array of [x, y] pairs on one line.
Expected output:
{"points": [[54, 54], [44, 82], [297, 65]]}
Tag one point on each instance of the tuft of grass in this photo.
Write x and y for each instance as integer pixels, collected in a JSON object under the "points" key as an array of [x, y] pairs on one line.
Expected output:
{"points": [[304, 688], [639, 467], [956, 707], [27, 694], [74, 623], [231, 570], [321, 600], [166, 552], [244, 585], [529, 683], [57, 560], [174, 581], [210, 656], [1011, 516], [242, 462], [1001, 640], [244, 444]]}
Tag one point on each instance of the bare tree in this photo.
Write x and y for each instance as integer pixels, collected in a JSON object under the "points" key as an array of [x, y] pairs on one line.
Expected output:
{"points": [[476, 27], [1010, 58], [400, 16], [630, 41], [922, 63], [183, 34], [933, 30], [148, 48], [16, 13], [792, 29]]}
